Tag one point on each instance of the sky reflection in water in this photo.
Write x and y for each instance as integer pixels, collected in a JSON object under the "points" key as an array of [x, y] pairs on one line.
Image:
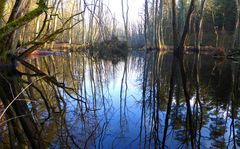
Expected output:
{"points": [[118, 115]]}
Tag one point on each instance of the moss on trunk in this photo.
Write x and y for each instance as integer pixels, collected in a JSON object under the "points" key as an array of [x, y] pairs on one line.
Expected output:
{"points": [[17, 23], [2, 8]]}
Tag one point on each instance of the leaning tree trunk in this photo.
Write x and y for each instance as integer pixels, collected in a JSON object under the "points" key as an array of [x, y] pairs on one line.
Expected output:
{"points": [[20, 8], [15, 23], [173, 72], [8, 87], [2, 8], [178, 57], [183, 71], [185, 30]]}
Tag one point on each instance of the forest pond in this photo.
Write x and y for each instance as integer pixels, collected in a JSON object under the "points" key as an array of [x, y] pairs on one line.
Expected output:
{"points": [[123, 103]]}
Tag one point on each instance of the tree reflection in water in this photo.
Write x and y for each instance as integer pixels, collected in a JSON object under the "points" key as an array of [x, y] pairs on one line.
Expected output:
{"points": [[78, 101]]}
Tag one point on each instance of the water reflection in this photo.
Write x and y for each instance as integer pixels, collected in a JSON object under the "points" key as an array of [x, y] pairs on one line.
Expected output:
{"points": [[77, 101]]}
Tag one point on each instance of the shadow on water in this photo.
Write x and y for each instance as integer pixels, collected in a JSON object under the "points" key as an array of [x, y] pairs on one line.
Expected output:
{"points": [[77, 101]]}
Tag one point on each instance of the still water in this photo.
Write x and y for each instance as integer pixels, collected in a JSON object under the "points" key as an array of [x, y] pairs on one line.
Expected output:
{"points": [[123, 103]]}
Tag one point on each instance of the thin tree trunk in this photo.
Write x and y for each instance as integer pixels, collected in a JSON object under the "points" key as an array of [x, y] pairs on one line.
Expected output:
{"points": [[70, 32], [156, 24], [173, 72], [146, 25], [199, 32], [170, 97], [178, 56], [185, 30], [125, 19], [183, 72], [236, 24], [20, 8], [91, 21], [175, 35], [160, 26]]}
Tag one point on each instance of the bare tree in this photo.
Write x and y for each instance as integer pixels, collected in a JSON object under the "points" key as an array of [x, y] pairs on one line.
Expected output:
{"points": [[178, 57], [125, 18], [200, 24], [236, 24], [18, 17], [146, 24]]}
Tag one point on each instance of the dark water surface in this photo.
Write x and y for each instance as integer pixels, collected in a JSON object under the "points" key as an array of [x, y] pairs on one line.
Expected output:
{"points": [[123, 104]]}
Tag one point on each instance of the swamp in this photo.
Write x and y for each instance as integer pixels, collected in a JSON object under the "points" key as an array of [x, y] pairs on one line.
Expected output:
{"points": [[119, 74]]}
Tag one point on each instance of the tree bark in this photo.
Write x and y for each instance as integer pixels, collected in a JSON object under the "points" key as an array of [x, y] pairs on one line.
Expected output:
{"points": [[14, 24], [9, 89], [173, 72], [146, 25], [2, 8], [178, 57], [183, 72], [20, 8], [186, 29], [175, 35], [160, 25], [236, 24], [156, 24], [200, 24]]}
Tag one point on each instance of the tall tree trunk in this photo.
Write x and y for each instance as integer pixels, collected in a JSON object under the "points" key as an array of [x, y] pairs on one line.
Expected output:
{"points": [[83, 29], [185, 30], [174, 26], [70, 31], [173, 72], [178, 57], [91, 21], [183, 72], [236, 24], [146, 25], [125, 19], [181, 19], [20, 8], [156, 24], [160, 25], [200, 24]]}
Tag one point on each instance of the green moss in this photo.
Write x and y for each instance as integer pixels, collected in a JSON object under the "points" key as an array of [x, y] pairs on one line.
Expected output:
{"points": [[12, 26], [2, 7], [17, 23]]}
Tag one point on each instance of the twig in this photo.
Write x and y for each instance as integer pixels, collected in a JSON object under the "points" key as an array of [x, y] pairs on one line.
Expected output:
{"points": [[12, 119]]}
